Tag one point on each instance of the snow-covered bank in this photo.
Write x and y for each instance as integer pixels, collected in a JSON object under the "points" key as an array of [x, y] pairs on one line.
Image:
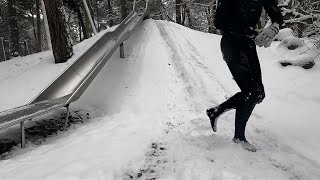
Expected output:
{"points": [[151, 122], [292, 107]]}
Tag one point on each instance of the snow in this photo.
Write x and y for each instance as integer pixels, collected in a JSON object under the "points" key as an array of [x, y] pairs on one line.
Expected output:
{"points": [[283, 33], [305, 62], [285, 3], [148, 115], [292, 43]]}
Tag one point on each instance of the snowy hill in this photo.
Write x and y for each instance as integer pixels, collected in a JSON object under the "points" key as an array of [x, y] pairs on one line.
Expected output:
{"points": [[149, 117]]}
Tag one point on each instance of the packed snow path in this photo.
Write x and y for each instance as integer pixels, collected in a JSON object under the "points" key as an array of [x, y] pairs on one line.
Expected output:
{"points": [[149, 120]]}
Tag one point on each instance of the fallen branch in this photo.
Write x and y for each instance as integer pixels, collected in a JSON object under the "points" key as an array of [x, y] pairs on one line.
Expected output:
{"points": [[303, 18]]}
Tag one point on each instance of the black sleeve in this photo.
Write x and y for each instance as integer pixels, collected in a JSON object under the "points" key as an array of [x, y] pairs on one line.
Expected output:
{"points": [[224, 18], [220, 14], [271, 6]]}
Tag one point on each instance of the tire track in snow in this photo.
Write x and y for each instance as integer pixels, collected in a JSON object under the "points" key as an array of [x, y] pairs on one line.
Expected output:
{"points": [[187, 131], [183, 131], [288, 168], [193, 60], [196, 59], [188, 64], [285, 158], [190, 87]]}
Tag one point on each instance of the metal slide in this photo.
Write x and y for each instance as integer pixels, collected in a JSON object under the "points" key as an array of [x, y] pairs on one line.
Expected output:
{"points": [[70, 85]]}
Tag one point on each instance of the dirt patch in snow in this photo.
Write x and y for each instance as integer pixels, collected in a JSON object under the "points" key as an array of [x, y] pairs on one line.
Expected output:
{"points": [[40, 130]]}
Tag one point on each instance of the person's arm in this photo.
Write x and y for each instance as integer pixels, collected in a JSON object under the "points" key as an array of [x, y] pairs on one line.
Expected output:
{"points": [[274, 12], [223, 17], [265, 37]]}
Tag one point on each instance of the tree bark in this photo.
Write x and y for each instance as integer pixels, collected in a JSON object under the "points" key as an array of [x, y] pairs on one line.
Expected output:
{"points": [[61, 42], [13, 28], [46, 25], [80, 30], [178, 11], [97, 12], [39, 41], [81, 21], [89, 17], [111, 23], [33, 25], [183, 12], [188, 13], [161, 9], [210, 20], [124, 11]]}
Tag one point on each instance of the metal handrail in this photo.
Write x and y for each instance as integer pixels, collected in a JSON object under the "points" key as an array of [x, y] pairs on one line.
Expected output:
{"points": [[70, 85]]}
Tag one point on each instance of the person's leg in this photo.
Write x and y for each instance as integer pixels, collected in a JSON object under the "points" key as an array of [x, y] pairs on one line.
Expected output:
{"points": [[231, 54], [229, 104], [243, 113], [231, 50], [253, 90], [242, 60]]}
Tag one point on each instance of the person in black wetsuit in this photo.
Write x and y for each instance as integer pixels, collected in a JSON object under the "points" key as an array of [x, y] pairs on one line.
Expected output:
{"points": [[237, 20]]}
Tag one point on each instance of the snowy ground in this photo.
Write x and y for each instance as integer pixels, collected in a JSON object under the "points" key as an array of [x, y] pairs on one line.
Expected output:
{"points": [[149, 117]]}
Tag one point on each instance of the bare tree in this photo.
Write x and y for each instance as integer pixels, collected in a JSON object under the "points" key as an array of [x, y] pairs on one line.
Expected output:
{"points": [[300, 15]]}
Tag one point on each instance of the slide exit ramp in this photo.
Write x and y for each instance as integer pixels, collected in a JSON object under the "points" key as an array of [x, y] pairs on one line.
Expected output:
{"points": [[70, 85]]}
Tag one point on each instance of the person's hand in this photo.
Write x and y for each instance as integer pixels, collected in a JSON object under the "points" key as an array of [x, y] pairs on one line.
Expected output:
{"points": [[265, 37]]}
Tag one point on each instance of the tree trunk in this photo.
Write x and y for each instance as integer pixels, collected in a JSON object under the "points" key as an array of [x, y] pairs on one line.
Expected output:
{"points": [[13, 28], [97, 12], [94, 23], [111, 23], [210, 20], [80, 30], [33, 25], [81, 21], [178, 11], [124, 11], [61, 42], [46, 25], [89, 18], [188, 13], [184, 7], [39, 42], [161, 9]]}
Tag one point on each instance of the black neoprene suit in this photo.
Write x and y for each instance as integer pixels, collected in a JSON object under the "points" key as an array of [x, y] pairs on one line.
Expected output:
{"points": [[237, 20]]}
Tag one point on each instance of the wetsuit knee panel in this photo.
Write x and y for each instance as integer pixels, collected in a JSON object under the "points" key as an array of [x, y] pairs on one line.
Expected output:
{"points": [[256, 96]]}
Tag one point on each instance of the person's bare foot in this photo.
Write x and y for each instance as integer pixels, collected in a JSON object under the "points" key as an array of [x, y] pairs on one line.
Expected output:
{"points": [[245, 144]]}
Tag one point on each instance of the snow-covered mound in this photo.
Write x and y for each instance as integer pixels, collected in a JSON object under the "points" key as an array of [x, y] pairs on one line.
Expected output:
{"points": [[283, 33], [292, 43], [306, 62], [150, 120]]}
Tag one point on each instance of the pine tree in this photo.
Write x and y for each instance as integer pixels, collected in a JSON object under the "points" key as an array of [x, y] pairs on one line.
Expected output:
{"points": [[124, 10], [61, 42], [110, 14], [13, 28], [178, 11], [39, 42]]}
